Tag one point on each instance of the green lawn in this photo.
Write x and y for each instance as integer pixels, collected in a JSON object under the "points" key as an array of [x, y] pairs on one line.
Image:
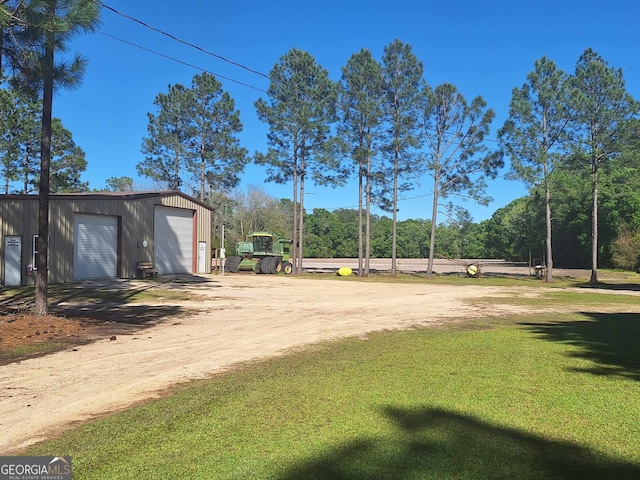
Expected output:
{"points": [[544, 397]]}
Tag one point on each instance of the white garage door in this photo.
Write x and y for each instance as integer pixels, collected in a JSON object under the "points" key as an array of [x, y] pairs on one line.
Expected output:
{"points": [[95, 247], [173, 237]]}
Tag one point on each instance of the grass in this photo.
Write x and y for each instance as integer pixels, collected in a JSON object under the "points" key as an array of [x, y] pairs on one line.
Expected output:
{"points": [[545, 396], [564, 299], [77, 293], [31, 350], [610, 279]]}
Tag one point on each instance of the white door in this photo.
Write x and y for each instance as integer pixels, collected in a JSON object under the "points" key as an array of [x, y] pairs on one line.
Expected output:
{"points": [[12, 260], [95, 247], [202, 257], [173, 240]]}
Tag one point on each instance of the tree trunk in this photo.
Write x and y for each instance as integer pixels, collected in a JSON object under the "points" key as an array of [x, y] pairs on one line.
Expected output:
{"points": [[594, 228], [176, 174], [367, 254], [294, 230], [41, 293], [202, 180], [360, 240], [394, 235], [301, 221], [434, 218], [547, 194]]}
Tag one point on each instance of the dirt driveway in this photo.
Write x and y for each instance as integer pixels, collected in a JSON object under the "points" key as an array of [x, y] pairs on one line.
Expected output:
{"points": [[239, 318]]}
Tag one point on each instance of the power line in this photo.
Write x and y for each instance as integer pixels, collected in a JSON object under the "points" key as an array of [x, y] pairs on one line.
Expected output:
{"points": [[184, 42], [197, 47], [179, 61], [201, 49], [237, 64]]}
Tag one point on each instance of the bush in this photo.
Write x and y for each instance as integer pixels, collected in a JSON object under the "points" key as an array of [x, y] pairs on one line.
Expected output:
{"points": [[626, 250]]}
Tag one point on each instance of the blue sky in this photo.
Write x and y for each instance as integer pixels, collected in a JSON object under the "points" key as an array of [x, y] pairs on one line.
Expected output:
{"points": [[484, 48]]}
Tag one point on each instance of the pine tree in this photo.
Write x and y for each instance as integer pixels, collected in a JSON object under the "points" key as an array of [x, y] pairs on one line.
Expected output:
{"points": [[192, 138], [299, 111], [44, 32], [456, 156], [217, 157], [169, 148], [402, 73], [360, 130], [601, 109], [534, 133]]}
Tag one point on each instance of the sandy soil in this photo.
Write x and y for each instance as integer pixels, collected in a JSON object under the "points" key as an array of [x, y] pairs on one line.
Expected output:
{"points": [[241, 317]]}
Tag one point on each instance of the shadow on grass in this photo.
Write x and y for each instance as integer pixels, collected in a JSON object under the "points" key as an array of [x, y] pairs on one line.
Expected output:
{"points": [[186, 279], [631, 287], [16, 300], [610, 340], [440, 444], [134, 315], [65, 293], [22, 298]]}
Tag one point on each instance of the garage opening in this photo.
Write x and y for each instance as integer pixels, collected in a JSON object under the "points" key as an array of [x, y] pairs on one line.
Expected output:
{"points": [[173, 240], [95, 247]]}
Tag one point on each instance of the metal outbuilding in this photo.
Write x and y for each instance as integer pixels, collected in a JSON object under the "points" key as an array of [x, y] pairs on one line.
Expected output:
{"points": [[105, 235]]}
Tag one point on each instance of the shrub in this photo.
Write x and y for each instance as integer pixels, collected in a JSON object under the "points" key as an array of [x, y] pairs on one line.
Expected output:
{"points": [[626, 250]]}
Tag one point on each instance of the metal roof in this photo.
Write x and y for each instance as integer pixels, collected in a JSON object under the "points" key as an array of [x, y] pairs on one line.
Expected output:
{"points": [[109, 196]]}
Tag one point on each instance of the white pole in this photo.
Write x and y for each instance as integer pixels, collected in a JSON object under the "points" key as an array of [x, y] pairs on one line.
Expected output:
{"points": [[222, 252]]}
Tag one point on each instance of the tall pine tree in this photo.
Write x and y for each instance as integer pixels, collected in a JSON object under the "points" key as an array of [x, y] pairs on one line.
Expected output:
{"points": [[45, 29], [456, 156], [217, 157], [168, 148], [402, 73], [360, 130], [299, 111], [601, 109], [534, 134]]}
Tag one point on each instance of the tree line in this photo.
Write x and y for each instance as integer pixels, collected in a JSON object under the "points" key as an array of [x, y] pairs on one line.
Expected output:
{"points": [[381, 122], [515, 232], [572, 138]]}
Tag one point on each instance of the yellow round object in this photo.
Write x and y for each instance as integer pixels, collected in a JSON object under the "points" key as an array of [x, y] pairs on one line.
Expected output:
{"points": [[344, 272], [472, 270]]}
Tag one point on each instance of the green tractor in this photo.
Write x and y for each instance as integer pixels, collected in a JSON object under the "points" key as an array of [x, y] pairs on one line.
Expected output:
{"points": [[261, 252]]}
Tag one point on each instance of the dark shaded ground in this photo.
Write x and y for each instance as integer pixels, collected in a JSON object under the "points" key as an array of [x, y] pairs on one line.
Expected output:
{"points": [[610, 340], [440, 444], [79, 314]]}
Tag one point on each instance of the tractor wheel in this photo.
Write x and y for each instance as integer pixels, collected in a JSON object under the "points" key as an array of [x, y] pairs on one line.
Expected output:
{"points": [[287, 267], [232, 264], [266, 265], [277, 265], [262, 264]]}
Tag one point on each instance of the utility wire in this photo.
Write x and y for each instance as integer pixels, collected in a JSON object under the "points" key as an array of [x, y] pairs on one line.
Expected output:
{"points": [[179, 61], [184, 42], [237, 64], [201, 49]]}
